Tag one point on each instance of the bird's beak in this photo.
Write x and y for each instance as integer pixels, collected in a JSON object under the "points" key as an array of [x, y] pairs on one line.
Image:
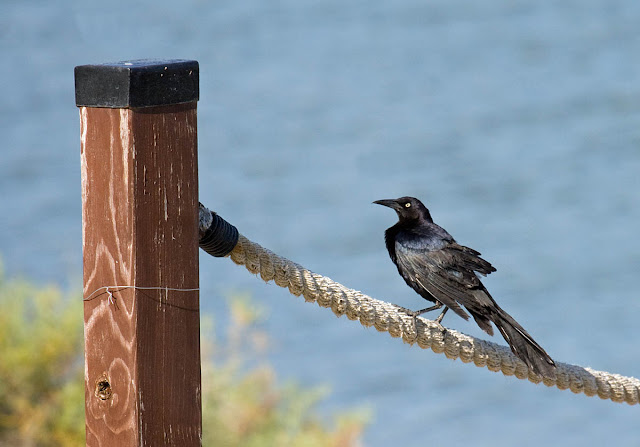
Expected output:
{"points": [[391, 203]]}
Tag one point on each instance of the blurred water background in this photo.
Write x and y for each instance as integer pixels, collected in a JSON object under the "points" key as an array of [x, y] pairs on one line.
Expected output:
{"points": [[516, 122]]}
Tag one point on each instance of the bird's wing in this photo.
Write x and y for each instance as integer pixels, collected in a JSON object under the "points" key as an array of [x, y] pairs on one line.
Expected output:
{"points": [[468, 259], [447, 274]]}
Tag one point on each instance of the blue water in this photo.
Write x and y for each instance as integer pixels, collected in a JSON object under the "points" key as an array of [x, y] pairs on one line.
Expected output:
{"points": [[517, 123]]}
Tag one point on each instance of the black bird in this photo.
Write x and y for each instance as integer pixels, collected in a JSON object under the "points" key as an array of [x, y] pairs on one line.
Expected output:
{"points": [[433, 264]]}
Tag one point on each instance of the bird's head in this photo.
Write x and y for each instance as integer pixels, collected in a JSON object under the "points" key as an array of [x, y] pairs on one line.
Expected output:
{"points": [[408, 208]]}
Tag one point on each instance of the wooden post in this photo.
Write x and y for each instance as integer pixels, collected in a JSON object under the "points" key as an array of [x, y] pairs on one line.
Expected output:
{"points": [[140, 228]]}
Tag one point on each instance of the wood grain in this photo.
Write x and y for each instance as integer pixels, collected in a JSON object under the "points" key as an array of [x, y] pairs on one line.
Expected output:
{"points": [[140, 203]]}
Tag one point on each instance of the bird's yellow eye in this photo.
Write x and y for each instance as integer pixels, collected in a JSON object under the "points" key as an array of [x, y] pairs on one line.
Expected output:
{"points": [[407, 205]]}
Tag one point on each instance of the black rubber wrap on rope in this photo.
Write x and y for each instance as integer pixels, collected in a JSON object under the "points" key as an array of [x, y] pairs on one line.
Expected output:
{"points": [[217, 236]]}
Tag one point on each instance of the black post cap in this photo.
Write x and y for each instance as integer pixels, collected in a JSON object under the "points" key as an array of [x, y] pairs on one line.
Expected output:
{"points": [[137, 83]]}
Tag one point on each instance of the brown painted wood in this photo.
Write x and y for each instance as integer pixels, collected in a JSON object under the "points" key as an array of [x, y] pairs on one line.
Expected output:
{"points": [[139, 210]]}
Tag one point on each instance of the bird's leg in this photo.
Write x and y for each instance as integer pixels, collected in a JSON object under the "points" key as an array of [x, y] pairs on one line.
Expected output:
{"points": [[415, 313], [438, 305], [441, 316]]}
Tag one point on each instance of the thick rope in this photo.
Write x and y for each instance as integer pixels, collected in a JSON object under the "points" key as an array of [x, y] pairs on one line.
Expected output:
{"points": [[386, 317], [219, 238]]}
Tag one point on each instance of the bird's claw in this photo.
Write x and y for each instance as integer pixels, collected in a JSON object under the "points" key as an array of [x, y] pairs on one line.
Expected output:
{"points": [[412, 313]]}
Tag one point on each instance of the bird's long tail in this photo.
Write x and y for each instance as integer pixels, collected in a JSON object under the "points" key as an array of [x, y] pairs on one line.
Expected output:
{"points": [[523, 345]]}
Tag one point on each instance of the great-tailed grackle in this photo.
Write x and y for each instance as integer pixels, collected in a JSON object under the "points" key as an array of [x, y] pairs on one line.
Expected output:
{"points": [[433, 264]]}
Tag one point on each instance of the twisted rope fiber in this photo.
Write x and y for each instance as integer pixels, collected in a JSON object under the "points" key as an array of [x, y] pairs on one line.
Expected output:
{"points": [[386, 317]]}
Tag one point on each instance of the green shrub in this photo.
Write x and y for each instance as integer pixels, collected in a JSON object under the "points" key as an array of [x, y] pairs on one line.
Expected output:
{"points": [[42, 388], [41, 380]]}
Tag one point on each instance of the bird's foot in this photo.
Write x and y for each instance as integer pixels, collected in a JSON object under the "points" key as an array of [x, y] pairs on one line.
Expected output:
{"points": [[414, 314], [411, 313]]}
